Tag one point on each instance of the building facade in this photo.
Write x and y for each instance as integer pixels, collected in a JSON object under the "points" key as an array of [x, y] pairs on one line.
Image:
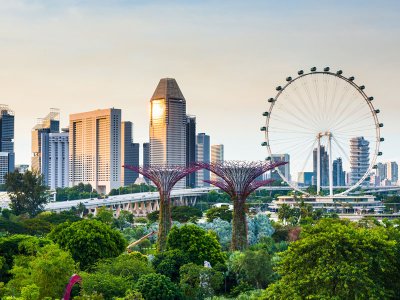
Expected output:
{"points": [[324, 166], [55, 159], [129, 154], [359, 159], [202, 155], [95, 149], [168, 126], [190, 148], [48, 124], [339, 176], [392, 172], [305, 178], [284, 169], [217, 156], [6, 141]]}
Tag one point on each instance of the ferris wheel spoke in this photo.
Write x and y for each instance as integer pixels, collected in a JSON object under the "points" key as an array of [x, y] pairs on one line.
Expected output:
{"points": [[286, 121]]}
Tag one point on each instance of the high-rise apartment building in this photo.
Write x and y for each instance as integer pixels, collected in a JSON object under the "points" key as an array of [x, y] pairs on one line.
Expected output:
{"points": [[129, 154], [202, 155], [7, 160], [55, 159], [339, 176], [284, 169], [190, 148], [392, 171], [381, 170], [217, 155], [359, 159], [324, 166], [48, 124], [95, 149], [168, 126]]}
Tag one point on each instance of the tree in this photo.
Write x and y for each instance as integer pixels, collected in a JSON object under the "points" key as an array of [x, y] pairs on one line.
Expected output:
{"points": [[105, 284], [340, 260], [198, 282], [88, 241], [157, 287], [223, 212], [27, 192], [198, 244], [181, 214], [105, 215], [168, 263], [49, 270]]}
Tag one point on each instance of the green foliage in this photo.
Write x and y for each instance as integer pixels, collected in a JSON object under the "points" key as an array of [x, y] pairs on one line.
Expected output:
{"points": [[168, 263], [198, 282], [132, 295], [128, 266], [105, 284], [49, 270], [223, 212], [80, 191], [27, 193], [17, 245], [198, 244], [259, 227], [339, 260], [157, 287], [252, 267], [88, 241], [133, 188], [222, 228], [180, 214], [105, 215]]}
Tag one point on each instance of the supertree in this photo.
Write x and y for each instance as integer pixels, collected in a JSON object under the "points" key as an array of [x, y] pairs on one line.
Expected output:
{"points": [[238, 180], [164, 177]]}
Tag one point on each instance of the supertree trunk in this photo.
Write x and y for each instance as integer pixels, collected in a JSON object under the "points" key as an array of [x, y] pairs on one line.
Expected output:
{"points": [[164, 221], [239, 225]]}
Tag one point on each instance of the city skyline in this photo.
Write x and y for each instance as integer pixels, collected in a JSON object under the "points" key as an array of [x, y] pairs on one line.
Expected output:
{"points": [[111, 63]]}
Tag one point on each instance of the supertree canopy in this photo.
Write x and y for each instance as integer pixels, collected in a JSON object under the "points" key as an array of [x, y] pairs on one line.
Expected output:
{"points": [[164, 177], [239, 179]]}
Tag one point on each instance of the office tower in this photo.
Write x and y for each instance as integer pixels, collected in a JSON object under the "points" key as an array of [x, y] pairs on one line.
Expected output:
{"points": [[95, 149], [168, 126], [190, 148], [129, 154], [146, 158], [392, 171], [359, 159], [48, 124], [284, 169], [55, 159], [22, 168], [203, 155], [324, 166], [375, 180], [6, 141], [305, 178], [339, 176], [217, 155], [381, 170]]}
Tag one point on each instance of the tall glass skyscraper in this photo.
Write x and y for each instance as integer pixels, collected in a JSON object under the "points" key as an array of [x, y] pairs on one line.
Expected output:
{"points": [[7, 161], [190, 148], [168, 126], [129, 154], [324, 166]]}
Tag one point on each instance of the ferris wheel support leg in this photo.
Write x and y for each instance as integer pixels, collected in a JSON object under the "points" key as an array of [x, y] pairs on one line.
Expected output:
{"points": [[319, 165], [330, 165]]}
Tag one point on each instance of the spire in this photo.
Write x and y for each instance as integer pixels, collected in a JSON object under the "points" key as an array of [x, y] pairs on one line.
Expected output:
{"points": [[167, 88]]}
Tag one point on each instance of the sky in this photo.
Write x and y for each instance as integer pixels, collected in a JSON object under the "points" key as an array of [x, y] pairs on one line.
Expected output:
{"points": [[227, 57]]}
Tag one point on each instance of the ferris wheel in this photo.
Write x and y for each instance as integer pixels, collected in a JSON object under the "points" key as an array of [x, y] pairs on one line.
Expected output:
{"points": [[328, 126]]}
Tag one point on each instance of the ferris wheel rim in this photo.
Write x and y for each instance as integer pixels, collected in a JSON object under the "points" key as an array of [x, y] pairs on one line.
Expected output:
{"points": [[373, 112]]}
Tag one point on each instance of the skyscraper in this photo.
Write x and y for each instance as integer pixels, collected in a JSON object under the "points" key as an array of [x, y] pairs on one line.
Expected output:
{"points": [[392, 172], [129, 154], [146, 158], [217, 155], [55, 159], [190, 148], [284, 169], [48, 124], [381, 170], [7, 162], [168, 126], [324, 166], [95, 149], [359, 159], [203, 155], [339, 176]]}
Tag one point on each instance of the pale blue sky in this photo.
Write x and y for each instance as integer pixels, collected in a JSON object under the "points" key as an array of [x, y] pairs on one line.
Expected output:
{"points": [[227, 57]]}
